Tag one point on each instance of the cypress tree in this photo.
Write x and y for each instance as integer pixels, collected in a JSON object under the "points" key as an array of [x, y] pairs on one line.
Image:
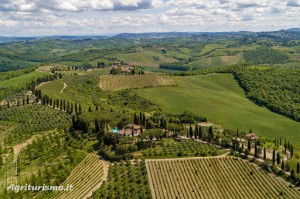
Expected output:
{"points": [[135, 118], [265, 154], [191, 131], [210, 134], [132, 131], [64, 105], [200, 133], [282, 164], [237, 133], [287, 167], [273, 157], [79, 109], [285, 146], [292, 175], [249, 145], [298, 167], [280, 141], [61, 105], [278, 158], [291, 151], [255, 150], [196, 131], [141, 118], [144, 120]]}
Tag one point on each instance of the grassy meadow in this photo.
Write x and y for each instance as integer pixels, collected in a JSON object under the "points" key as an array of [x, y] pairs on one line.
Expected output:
{"points": [[219, 97], [21, 80]]}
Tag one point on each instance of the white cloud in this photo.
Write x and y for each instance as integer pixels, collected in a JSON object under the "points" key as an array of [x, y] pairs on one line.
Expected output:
{"points": [[76, 5], [26, 17]]}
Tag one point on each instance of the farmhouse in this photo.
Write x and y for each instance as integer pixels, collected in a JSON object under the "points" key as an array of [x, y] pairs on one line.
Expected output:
{"points": [[127, 131], [251, 136]]}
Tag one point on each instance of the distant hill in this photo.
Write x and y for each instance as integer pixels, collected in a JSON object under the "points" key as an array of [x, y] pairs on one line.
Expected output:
{"points": [[294, 30], [66, 37], [171, 34]]}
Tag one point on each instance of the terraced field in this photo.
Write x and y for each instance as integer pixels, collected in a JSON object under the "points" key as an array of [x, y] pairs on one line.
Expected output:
{"points": [[85, 178], [117, 82], [218, 177]]}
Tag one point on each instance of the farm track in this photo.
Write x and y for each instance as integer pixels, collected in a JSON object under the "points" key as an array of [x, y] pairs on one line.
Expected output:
{"points": [[65, 86], [18, 148]]}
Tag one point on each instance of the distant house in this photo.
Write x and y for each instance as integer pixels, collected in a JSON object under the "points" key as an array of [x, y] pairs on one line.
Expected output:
{"points": [[127, 131], [251, 136]]}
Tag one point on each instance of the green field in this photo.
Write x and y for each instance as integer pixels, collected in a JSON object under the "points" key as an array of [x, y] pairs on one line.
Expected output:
{"points": [[21, 80], [219, 97]]}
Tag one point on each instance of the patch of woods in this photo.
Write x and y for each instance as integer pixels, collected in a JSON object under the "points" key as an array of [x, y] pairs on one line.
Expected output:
{"points": [[180, 66], [278, 90], [265, 55]]}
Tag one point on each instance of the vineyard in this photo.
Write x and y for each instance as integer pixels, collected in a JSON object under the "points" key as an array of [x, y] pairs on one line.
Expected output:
{"points": [[85, 177], [125, 180], [117, 82], [180, 148], [56, 67], [31, 119], [222, 177]]}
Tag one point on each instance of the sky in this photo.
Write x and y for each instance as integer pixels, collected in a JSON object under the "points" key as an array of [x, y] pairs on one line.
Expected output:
{"points": [[104, 17]]}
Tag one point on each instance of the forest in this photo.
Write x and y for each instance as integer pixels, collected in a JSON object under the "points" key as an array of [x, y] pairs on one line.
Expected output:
{"points": [[278, 90]]}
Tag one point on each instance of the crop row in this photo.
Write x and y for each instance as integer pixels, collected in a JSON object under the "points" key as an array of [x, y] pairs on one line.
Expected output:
{"points": [[80, 79], [222, 177], [83, 178]]}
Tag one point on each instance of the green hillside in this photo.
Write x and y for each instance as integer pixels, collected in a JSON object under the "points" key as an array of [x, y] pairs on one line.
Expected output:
{"points": [[219, 97]]}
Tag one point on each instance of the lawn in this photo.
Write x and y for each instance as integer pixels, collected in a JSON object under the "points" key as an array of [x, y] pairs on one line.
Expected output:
{"points": [[219, 97]]}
